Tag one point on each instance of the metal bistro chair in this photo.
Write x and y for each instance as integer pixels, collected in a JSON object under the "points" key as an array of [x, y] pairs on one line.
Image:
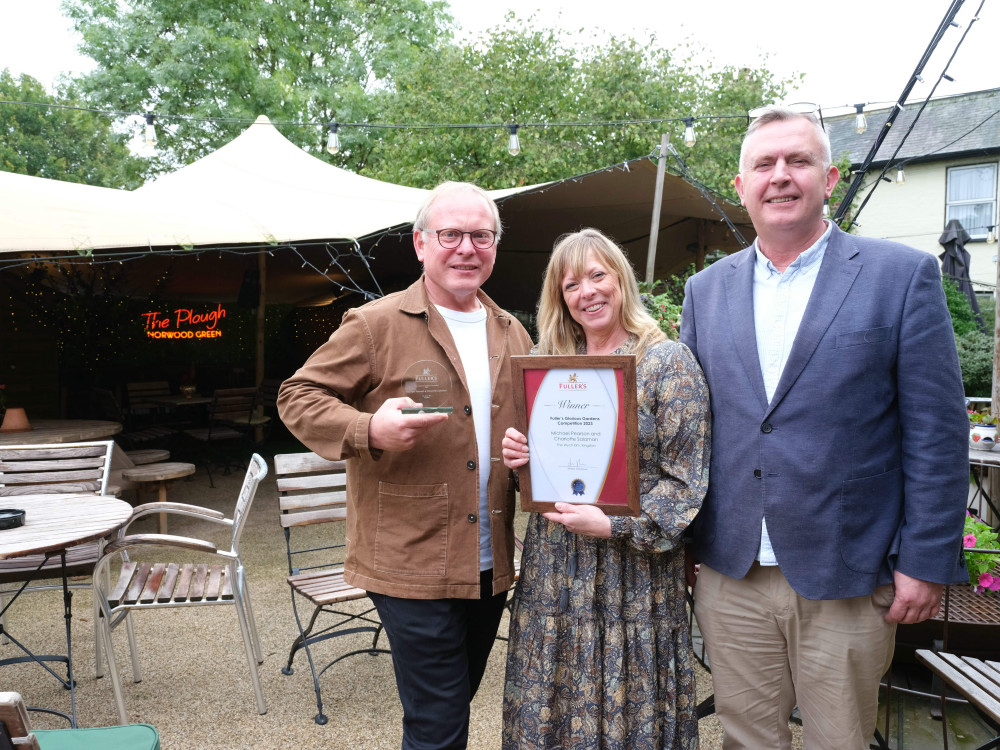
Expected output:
{"points": [[312, 491], [233, 419], [56, 468], [160, 583]]}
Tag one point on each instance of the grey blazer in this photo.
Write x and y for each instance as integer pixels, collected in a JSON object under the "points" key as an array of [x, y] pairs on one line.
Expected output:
{"points": [[860, 461]]}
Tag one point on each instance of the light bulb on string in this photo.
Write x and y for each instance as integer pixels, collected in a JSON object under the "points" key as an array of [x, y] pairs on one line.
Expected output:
{"points": [[689, 137], [513, 143], [826, 208], [860, 122], [991, 236], [333, 141], [150, 136], [900, 177]]}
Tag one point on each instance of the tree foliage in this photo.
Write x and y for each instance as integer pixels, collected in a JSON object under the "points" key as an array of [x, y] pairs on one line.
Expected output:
{"points": [[521, 75], [963, 319], [209, 67], [58, 142], [975, 346]]}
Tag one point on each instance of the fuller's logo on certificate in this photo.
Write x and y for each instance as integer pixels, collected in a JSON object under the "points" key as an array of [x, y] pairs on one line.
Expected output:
{"points": [[579, 414], [427, 382]]}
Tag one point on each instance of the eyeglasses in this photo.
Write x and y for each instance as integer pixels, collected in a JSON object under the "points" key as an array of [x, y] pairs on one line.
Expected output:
{"points": [[482, 239], [799, 108]]}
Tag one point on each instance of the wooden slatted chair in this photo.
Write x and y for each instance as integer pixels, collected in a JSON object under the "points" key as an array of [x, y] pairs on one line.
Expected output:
{"points": [[312, 491], [105, 406], [233, 418], [976, 680], [16, 730], [140, 398], [56, 468], [269, 388], [159, 583]]}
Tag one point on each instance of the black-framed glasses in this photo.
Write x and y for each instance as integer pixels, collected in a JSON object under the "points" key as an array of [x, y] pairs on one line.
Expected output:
{"points": [[482, 239], [799, 108]]}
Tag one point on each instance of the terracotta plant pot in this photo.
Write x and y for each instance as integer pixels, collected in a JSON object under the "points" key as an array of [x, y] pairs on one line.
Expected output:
{"points": [[15, 420]]}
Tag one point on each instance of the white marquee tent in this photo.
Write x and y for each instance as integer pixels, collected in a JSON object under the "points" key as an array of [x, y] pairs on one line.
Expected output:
{"points": [[260, 189]]}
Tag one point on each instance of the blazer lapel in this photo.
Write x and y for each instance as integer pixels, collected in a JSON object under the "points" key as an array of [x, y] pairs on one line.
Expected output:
{"points": [[739, 293], [836, 276]]}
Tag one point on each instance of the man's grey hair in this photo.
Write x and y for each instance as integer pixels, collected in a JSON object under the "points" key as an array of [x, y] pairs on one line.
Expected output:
{"points": [[448, 188], [779, 114]]}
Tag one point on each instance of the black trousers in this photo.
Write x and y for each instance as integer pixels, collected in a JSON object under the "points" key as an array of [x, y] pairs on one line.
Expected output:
{"points": [[439, 653]]}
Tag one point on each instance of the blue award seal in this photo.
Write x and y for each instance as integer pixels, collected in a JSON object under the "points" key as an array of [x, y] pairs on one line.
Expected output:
{"points": [[578, 486]]}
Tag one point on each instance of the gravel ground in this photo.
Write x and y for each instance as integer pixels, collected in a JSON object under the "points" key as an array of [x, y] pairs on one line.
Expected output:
{"points": [[196, 688]]}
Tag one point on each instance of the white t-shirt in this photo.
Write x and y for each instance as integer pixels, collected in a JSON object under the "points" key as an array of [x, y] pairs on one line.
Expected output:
{"points": [[469, 332]]}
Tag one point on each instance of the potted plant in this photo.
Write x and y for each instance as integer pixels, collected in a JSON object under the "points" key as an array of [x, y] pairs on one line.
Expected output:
{"points": [[982, 430], [983, 567]]}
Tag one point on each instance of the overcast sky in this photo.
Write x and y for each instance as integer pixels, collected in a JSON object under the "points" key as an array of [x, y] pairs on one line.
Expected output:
{"points": [[850, 50]]}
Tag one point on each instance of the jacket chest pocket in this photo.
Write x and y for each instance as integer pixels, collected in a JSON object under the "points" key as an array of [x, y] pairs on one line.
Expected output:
{"points": [[412, 532]]}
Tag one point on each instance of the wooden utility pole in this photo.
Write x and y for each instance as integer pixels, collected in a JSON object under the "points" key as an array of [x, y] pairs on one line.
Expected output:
{"points": [[654, 228], [994, 474]]}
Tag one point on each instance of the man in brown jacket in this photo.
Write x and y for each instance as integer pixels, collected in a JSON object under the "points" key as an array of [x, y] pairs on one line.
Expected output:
{"points": [[430, 505]]}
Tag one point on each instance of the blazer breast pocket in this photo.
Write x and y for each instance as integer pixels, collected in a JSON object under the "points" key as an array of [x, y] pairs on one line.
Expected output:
{"points": [[864, 336]]}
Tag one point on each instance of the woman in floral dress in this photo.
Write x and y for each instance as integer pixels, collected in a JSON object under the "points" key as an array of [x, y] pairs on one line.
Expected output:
{"points": [[600, 651]]}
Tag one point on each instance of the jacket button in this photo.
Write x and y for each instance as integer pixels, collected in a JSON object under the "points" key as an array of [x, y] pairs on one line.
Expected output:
{"points": [[756, 473], [766, 427], [472, 518], [471, 465], [468, 409]]}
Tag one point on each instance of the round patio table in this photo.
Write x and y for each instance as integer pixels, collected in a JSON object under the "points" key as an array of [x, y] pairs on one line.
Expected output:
{"points": [[52, 524], [44, 431]]}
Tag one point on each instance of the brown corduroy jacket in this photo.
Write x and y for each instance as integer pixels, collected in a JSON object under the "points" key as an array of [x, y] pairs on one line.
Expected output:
{"points": [[413, 516]]}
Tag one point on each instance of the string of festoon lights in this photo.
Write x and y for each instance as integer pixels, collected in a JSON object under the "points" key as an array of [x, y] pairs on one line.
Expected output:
{"points": [[333, 128], [150, 119]]}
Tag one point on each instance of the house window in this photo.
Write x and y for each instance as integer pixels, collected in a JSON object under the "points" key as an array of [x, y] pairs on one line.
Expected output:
{"points": [[972, 198]]}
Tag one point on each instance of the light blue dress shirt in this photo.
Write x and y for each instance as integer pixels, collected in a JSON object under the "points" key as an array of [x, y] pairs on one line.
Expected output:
{"points": [[779, 303]]}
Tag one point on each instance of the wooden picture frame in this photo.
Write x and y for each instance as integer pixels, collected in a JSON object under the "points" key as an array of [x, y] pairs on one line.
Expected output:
{"points": [[580, 415]]}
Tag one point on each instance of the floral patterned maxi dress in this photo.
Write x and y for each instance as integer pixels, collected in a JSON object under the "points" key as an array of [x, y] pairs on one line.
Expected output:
{"points": [[600, 651]]}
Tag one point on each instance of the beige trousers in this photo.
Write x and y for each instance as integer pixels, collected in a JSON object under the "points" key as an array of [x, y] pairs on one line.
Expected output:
{"points": [[770, 649]]}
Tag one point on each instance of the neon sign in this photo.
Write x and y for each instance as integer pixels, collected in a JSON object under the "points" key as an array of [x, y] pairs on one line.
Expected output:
{"points": [[184, 323]]}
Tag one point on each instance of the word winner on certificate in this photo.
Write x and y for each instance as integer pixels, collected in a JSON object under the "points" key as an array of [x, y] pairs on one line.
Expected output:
{"points": [[573, 428]]}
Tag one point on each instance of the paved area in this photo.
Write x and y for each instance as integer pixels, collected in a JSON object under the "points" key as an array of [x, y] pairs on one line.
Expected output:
{"points": [[196, 687]]}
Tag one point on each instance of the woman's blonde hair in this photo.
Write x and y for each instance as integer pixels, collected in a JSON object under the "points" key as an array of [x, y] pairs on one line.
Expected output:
{"points": [[558, 333]]}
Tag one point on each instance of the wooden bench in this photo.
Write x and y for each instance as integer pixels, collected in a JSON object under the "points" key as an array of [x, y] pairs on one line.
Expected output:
{"points": [[313, 491]]}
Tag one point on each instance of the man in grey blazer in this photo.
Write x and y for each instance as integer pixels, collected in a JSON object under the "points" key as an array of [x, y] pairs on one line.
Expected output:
{"points": [[839, 472]]}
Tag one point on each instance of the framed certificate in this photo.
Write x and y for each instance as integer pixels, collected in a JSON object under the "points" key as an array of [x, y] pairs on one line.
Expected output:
{"points": [[580, 416]]}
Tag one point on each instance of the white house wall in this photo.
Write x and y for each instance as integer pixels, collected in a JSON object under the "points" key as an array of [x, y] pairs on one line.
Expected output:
{"points": [[913, 213]]}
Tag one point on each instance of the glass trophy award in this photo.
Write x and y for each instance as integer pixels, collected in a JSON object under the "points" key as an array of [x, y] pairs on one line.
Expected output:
{"points": [[428, 383]]}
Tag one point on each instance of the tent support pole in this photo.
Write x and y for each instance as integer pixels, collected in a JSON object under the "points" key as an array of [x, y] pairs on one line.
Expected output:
{"points": [[654, 227], [261, 317]]}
